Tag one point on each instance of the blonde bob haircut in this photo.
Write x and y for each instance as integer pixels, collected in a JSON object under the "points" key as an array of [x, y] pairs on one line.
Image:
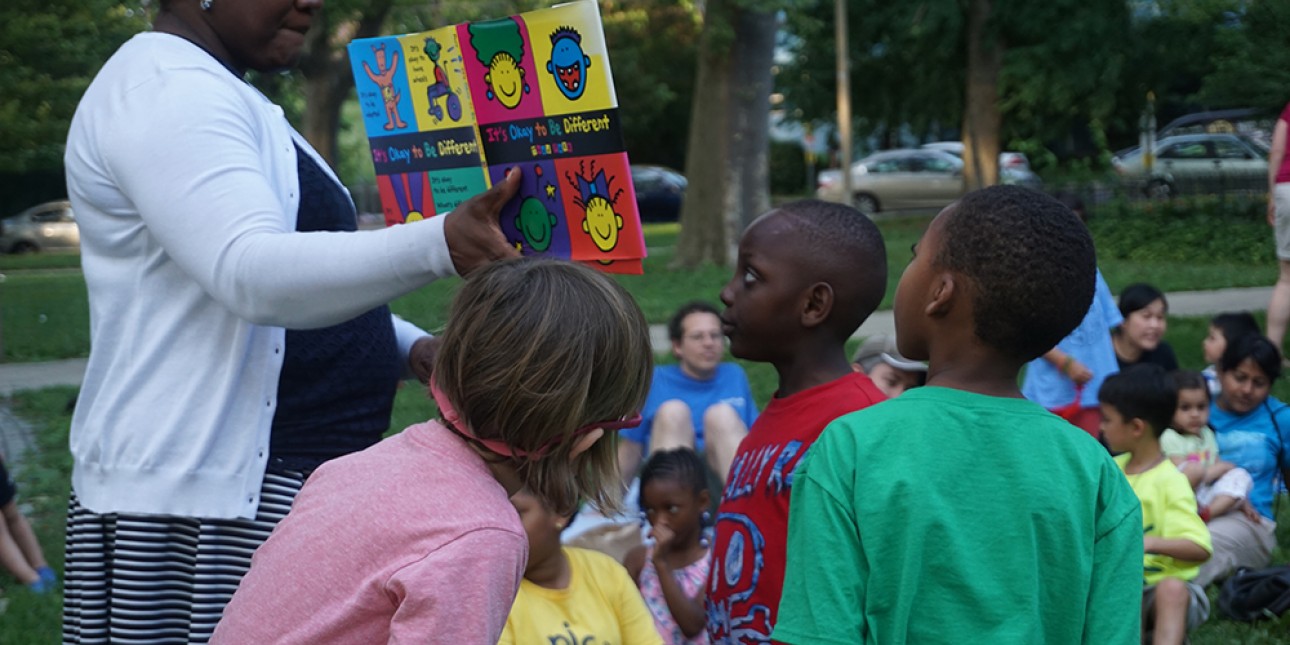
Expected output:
{"points": [[535, 349]]}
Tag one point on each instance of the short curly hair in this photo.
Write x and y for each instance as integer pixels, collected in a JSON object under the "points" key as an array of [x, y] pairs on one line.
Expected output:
{"points": [[843, 247], [1030, 262]]}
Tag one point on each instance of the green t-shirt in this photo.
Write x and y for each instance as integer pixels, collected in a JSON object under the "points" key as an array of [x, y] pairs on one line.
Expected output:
{"points": [[1168, 511], [948, 516]]}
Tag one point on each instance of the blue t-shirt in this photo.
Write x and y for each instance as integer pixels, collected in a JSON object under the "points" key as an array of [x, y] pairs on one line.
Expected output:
{"points": [[1090, 344], [729, 385], [1250, 441]]}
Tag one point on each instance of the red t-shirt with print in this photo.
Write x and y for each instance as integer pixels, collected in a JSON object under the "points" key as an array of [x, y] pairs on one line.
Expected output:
{"points": [[747, 572]]}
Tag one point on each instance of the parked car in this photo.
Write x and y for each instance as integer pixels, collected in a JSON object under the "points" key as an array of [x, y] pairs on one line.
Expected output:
{"points": [[894, 179], [659, 191], [1197, 163], [45, 226], [1014, 167]]}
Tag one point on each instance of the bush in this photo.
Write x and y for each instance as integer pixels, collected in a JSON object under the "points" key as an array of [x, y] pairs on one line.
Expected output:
{"points": [[1202, 229], [788, 169]]}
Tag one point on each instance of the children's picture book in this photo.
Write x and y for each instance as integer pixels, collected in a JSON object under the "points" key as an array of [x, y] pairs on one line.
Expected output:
{"points": [[450, 110]]}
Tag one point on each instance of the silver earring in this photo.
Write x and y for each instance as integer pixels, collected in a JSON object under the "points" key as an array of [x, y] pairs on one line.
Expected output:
{"points": [[206, 5]]}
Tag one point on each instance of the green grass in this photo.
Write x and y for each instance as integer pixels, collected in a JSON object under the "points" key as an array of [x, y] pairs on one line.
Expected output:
{"points": [[48, 260], [30, 292], [44, 315]]}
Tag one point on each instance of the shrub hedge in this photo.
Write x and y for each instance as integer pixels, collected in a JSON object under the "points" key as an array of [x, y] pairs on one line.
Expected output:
{"points": [[1202, 229]]}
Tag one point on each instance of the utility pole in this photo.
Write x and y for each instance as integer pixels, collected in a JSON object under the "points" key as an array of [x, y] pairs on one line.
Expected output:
{"points": [[844, 94]]}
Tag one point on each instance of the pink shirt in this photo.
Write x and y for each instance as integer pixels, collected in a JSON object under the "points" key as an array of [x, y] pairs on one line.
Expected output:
{"points": [[409, 541]]}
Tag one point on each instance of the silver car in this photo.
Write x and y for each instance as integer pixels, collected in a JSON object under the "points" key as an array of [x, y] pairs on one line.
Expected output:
{"points": [[1197, 163], [894, 179], [46, 226]]}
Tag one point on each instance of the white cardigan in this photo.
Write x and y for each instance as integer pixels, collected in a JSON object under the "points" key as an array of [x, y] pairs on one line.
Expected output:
{"points": [[183, 180]]}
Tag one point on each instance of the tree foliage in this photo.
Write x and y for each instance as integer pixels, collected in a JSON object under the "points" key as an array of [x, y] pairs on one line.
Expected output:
{"points": [[653, 46], [1061, 66], [1252, 61], [49, 51]]}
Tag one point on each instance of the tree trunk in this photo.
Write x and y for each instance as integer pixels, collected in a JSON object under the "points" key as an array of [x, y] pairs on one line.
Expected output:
{"points": [[727, 154], [327, 75], [752, 58], [981, 117]]}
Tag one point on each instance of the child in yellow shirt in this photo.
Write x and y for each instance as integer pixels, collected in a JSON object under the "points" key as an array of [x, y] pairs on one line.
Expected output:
{"points": [[1137, 405]]}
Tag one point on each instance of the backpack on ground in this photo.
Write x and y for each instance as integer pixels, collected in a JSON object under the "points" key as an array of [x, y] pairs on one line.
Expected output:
{"points": [[1255, 594]]}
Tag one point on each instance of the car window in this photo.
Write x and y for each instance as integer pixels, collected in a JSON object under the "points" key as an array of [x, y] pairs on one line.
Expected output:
{"points": [[937, 164], [1227, 149], [645, 182], [55, 214], [1185, 150], [889, 165]]}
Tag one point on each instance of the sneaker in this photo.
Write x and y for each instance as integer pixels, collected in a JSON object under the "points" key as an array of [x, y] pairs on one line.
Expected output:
{"points": [[47, 576]]}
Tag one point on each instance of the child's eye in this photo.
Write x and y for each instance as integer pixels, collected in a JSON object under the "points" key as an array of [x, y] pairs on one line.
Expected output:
{"points": [[749, 276], [673, 509]]}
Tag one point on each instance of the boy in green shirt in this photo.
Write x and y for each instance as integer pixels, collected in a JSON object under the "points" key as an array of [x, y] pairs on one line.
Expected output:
{"points": [[1137, 405], [961, 512]]}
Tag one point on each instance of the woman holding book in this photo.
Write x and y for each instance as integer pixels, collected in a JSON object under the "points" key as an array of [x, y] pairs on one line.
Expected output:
{"points": [[239, 329]]}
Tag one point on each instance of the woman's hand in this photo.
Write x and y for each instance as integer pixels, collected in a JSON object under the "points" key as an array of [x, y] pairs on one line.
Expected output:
{"points": [[473, 230], [1272, 211], [1078, 372], [421, 357]]}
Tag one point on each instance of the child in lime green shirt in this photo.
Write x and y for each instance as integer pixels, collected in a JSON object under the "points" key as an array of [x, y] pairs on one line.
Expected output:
{"points": [[1137, 405]]}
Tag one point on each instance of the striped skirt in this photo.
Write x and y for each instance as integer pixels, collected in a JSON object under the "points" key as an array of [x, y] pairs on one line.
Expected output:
{"points": [[157, 578]]}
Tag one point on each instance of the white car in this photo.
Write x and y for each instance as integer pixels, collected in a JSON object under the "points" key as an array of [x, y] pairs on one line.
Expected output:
{"points": [[44, 226], [1014, 167], [1197, 163], [894, 179]]}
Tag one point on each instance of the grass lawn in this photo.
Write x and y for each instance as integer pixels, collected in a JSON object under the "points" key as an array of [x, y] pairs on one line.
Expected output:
{"points": [[44, 316]]}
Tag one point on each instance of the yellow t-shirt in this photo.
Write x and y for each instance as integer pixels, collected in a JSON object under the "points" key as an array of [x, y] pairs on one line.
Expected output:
{"points": [[601, 605], [1168, 511]]}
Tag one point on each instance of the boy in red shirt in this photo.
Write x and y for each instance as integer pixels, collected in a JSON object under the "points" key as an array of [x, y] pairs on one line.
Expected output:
{"points": [[808, 274]]}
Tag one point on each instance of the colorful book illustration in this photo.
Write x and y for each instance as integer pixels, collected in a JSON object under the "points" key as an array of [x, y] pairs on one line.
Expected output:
{"points": [[450, 110]]}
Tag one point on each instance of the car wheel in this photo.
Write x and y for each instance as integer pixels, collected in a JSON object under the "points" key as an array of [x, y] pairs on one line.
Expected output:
{"points": [[1159, 189], [24, 247], [865, 203]]}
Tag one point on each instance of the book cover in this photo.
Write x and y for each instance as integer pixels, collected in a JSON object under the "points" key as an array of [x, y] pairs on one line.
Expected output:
{"points": [[450, 110]]}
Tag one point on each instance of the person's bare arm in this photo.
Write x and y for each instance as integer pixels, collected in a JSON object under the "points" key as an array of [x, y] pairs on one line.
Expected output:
{"points": [[1178, 549], [1219, 469], [634, 561], [1068, 366], [686, 611]]}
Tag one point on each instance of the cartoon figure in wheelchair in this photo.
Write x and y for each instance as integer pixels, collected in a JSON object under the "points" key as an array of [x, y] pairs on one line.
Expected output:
{"points": [[440, 87]]}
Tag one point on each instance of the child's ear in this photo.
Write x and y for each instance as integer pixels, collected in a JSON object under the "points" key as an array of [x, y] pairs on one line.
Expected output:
{"points": [[1139, 426], [585, 442], [944, 289], [819, 303], [704, 499]]}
